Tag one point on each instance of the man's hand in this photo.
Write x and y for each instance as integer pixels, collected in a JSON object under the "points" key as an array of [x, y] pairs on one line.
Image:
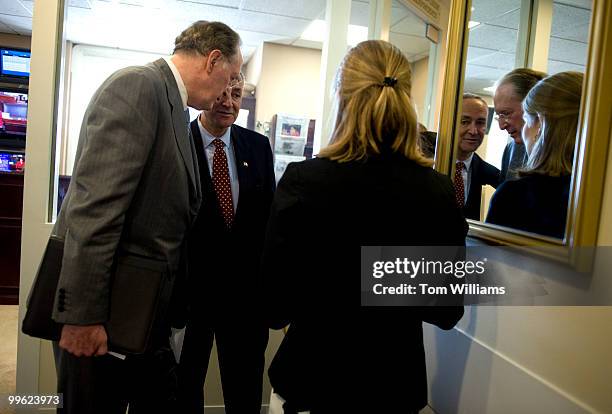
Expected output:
{"points": [[86, 340]]}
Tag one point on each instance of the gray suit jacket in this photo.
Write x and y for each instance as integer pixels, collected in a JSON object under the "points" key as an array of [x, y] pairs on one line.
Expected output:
{"points": [[135, 188]]}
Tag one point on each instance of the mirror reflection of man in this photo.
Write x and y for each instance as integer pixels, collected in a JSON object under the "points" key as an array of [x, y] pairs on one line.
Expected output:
{"points": [[509, 94], [237, 176], [471, 171]]}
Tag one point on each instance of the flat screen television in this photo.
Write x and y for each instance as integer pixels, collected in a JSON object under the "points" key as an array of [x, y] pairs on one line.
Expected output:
{"points": [[13, 117], [12, 162], [14, 65]]}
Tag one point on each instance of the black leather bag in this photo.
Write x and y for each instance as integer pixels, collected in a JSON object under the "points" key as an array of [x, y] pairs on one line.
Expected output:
{"points": [[140, 294]]}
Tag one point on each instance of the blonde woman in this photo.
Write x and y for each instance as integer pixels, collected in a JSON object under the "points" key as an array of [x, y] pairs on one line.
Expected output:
{"points": [[537, 202], [370, 186]]}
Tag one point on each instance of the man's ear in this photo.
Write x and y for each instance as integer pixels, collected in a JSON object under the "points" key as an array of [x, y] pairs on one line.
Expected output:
{"points": [[214, 58]]}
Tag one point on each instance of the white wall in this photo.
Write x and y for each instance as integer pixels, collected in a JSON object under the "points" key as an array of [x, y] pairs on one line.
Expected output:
{"points": [[529, 359], [91, 65], [288, 81]]}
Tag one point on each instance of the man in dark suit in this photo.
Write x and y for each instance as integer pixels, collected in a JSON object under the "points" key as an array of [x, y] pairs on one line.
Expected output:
{"points": [[510, 91], [134, 192], [237, 175], [471, 171]]}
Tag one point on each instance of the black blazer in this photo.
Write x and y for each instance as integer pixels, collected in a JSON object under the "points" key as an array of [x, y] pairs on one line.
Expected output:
{"points": [[535, 203], [482, 173], [223, 264], [323, 211]]}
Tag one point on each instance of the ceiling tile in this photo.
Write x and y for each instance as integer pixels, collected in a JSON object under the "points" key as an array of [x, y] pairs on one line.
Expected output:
{"points": [[570, 23], [567, 51], [304, 9], [29, 5], [360, 13], [509, 20], [5, 28], [233, 4], [410, 25], [556, 67], [19, 24], [485, 11], [493, 37], [84, 4], [14, 8], [410, 45], [498, 60]]}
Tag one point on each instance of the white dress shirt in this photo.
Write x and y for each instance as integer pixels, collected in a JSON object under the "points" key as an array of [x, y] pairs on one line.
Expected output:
{"points": [[466, 174], [209, 150], [179, 81]]}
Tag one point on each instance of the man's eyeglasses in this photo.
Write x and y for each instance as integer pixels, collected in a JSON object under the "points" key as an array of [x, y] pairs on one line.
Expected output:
{"points": [[503, 116]]}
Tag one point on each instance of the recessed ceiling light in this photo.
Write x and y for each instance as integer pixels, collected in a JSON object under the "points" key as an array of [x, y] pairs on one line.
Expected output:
{"points": [[317, 28], [490, 88], [473, 24]]}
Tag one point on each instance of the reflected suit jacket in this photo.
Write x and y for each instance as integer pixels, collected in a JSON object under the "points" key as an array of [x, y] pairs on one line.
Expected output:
{"points": [[134, 189], [482, 173]]}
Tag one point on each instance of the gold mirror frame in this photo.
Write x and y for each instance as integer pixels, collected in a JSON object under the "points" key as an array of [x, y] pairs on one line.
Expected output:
{"points": [[591, 153]]}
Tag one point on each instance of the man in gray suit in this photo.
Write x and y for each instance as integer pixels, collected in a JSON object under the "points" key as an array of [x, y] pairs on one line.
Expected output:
{"points": [[135, 190]]}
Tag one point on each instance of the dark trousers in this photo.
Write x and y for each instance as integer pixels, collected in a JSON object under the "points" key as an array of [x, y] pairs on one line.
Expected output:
{"points": [[241, 346], [107, 385]]}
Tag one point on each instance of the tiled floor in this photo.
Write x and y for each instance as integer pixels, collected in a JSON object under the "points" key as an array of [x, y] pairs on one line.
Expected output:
{"points": [[8, 350]]}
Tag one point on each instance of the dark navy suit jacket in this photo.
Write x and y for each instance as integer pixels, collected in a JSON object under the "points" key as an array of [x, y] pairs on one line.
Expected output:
{"points": [[482, 173], [224, 263]]}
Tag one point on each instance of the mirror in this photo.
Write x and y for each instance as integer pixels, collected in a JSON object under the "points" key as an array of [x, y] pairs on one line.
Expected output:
{"points": [[500, 180]]}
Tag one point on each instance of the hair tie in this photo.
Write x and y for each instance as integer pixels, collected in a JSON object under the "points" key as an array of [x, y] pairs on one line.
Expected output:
{"points": [[389, 81]]}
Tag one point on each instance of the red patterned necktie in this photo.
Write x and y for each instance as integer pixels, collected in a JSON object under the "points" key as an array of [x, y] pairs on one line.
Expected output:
{"points": [[221, 183], [459, 186]]}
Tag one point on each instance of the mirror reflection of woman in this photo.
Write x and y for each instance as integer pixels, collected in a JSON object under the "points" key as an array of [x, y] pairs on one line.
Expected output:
{"points": [[537, 202]]}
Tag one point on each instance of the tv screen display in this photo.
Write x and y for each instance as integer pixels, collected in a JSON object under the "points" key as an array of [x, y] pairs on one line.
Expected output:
{"points": [[13, 118], [14, 63], [12, 162]]}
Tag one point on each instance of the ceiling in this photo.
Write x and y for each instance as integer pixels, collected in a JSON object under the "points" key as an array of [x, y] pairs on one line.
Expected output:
{"points": [[152, 25], [492, 44]]}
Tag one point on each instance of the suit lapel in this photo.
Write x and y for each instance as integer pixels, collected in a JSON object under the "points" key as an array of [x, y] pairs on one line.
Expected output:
{"points": [[179, 123], [241, 153]]}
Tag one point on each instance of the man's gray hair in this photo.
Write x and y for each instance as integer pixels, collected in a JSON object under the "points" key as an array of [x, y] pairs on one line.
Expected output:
{"points": [[203, 37], [468, 95]]}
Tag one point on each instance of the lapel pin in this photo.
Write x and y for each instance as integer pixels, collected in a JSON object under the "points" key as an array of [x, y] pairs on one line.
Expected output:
{"points": [[245, 164]]}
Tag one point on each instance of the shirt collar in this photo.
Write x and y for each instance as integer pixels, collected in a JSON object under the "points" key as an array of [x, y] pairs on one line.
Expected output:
{"points": [[468, 161], [208, 137], [179, 80]]}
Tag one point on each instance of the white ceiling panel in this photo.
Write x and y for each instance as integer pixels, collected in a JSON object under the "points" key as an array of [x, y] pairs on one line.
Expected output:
{"points": [[6, 29], [585, 4], [280, 25], [567, 51], [410, 25], [556, 67], [570, 23], [84, 4], [492, 37], [478, 52], [413, 47], [485, 11], [399, 13], [305, 9], [21, 25], [360, 13], [232, 4], [29, 5], [509, 20], [14, 8], [499, 60]]}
